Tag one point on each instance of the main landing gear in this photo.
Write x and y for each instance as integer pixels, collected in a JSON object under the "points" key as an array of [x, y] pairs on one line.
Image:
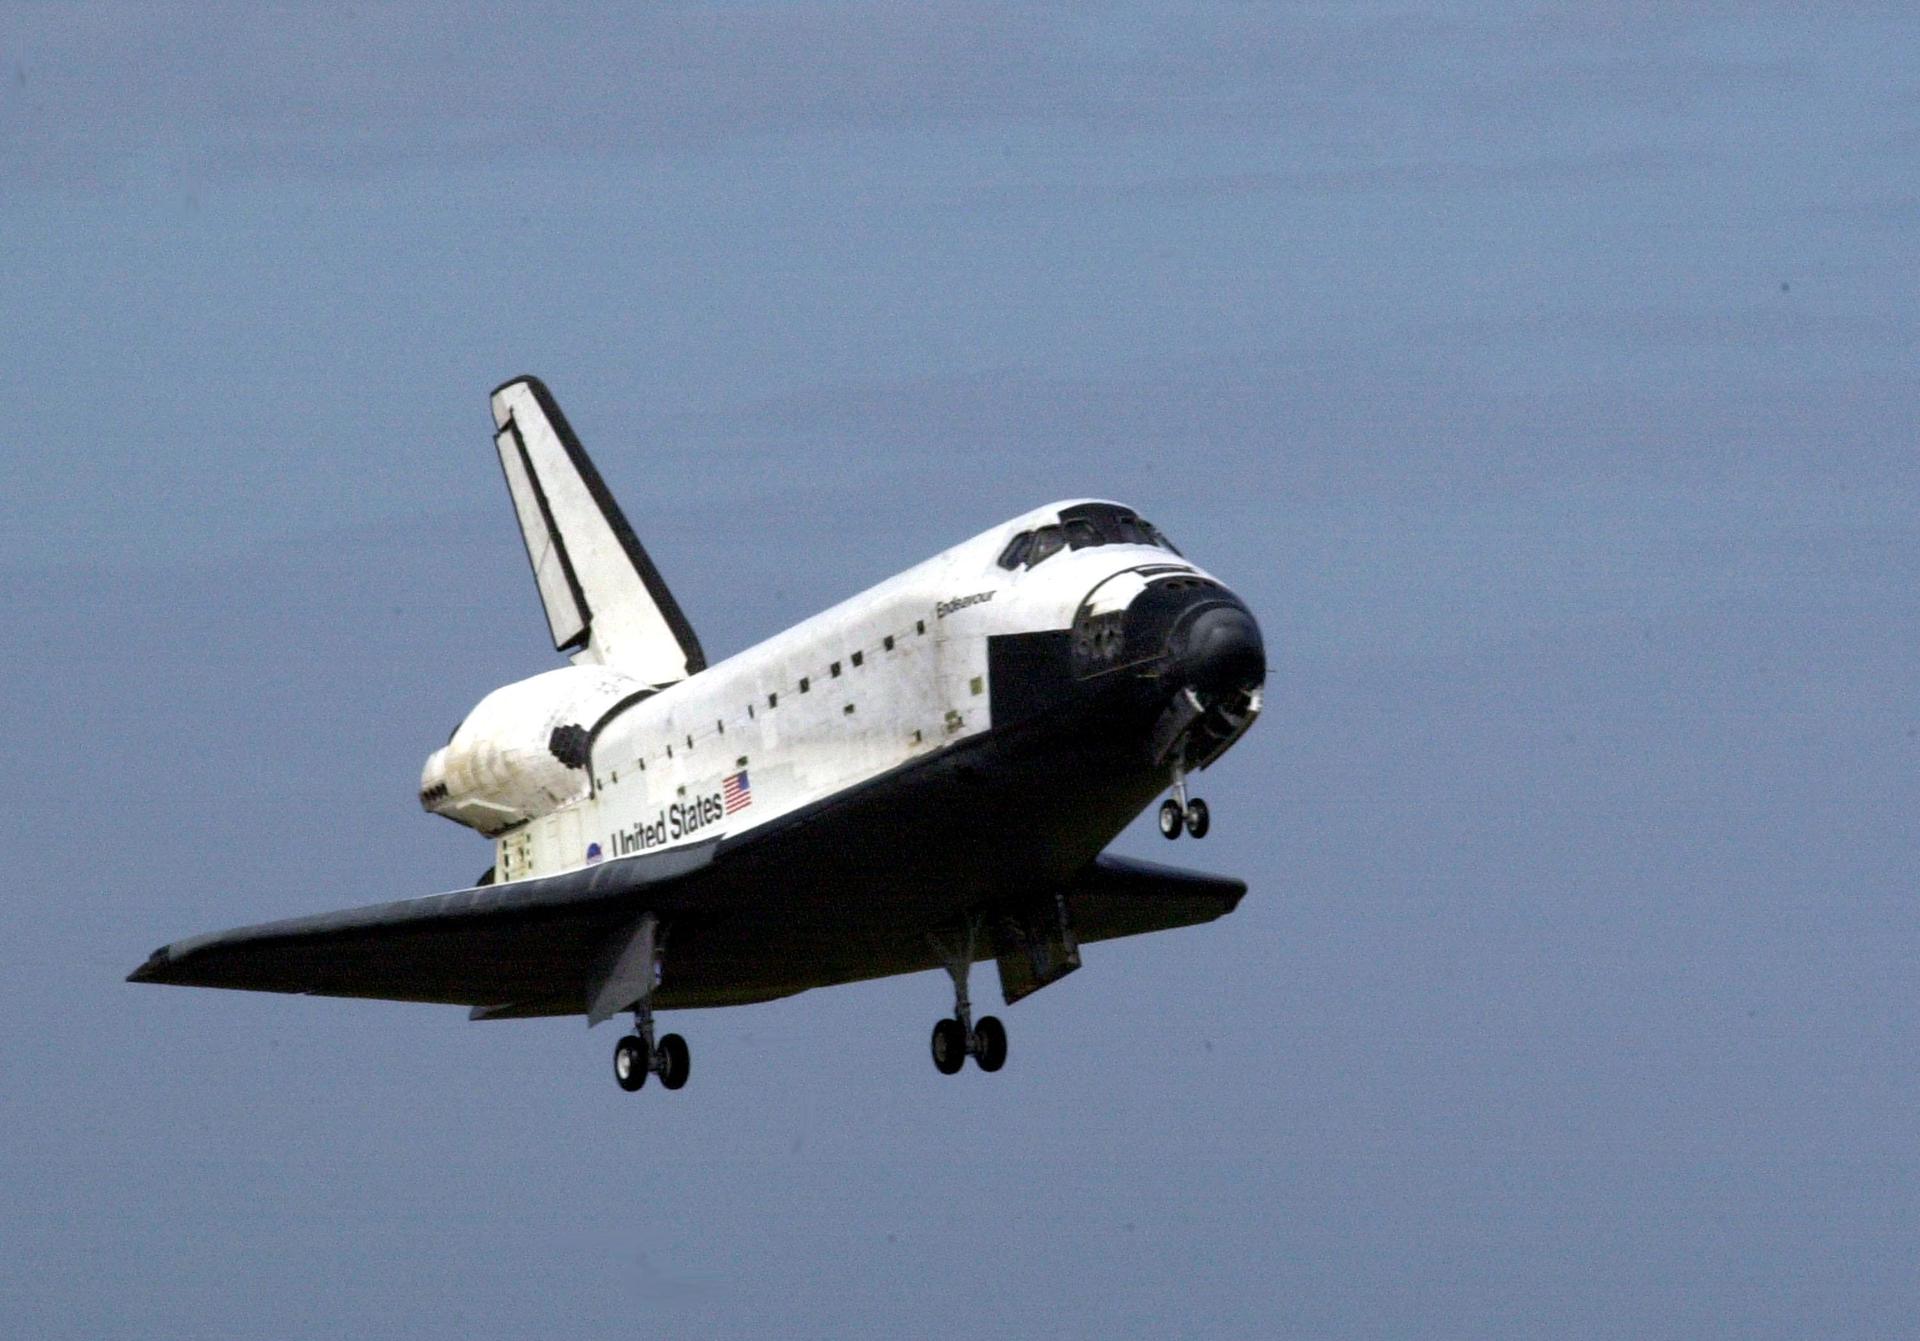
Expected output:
{"points": [[1179, 811], [637, 1056], [957, 1038]]}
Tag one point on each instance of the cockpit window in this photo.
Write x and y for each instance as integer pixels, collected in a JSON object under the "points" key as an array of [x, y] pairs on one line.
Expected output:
{"points": [[1152, 536], [1081, 527], [1047, 542]]}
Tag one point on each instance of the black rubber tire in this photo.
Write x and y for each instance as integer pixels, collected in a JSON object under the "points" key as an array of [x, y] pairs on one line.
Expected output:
{"points": [[630, 1063], [990, 1043], [676, 1063], [949, 1047], [1170, 819], [1199, 820]]}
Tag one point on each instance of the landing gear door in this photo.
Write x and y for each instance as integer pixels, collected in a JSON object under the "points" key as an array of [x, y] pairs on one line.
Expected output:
{"points": [[1035, 945]]}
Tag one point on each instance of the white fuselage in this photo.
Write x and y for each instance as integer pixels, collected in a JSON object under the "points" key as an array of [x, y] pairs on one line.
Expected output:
{"points": [[895, 673]]}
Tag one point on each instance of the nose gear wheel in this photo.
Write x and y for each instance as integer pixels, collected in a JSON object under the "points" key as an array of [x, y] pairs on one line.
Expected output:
{"points": [[1171, 819], [1181, 811]]}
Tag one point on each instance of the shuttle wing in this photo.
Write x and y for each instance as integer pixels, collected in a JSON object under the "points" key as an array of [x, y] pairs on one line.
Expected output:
{"points": [[605, 600], [486, 946], [540, 947]]}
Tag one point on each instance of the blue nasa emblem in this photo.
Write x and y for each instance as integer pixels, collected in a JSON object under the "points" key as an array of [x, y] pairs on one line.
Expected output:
{"points": [[593, 852]]}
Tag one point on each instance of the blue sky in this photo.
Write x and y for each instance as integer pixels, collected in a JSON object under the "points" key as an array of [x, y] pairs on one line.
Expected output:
{"points": [[1542, 376]]}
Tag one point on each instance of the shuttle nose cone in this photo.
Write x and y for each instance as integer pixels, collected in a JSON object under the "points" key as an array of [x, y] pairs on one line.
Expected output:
{"points": [[1218, 648]]}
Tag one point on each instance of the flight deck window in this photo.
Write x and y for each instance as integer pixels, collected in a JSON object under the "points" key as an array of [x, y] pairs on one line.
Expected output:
{"points": [[1047, 542], [1106, 528], [1153, 536]]}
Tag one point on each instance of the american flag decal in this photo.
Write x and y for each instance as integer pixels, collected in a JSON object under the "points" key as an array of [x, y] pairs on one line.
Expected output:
{"points": [[735, 791]]}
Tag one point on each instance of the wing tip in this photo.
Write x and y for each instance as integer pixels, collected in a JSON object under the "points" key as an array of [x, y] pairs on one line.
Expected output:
{"points": [[154, 969]]}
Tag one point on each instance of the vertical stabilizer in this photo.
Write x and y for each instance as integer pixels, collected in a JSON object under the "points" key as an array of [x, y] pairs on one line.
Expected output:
{"points": [[605, 600]]}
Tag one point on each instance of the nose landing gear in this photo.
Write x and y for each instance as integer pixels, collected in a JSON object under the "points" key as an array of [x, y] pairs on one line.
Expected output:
{"points": [[1179, 811]]}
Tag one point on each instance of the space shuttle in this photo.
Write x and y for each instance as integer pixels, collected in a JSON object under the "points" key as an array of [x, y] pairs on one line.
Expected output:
{"points": [[925, 776]]}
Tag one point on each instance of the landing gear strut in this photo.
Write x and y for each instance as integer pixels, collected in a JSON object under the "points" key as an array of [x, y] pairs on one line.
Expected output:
{"points": [[1178, 811], [958, 1037], [637, 1056]]}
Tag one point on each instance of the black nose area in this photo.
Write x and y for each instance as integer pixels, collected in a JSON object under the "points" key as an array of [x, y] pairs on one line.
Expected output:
{"points": [[1218, 648]]}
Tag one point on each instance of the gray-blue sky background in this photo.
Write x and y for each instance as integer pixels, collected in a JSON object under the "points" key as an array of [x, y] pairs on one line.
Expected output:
{"points": [[1542, 375]]}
